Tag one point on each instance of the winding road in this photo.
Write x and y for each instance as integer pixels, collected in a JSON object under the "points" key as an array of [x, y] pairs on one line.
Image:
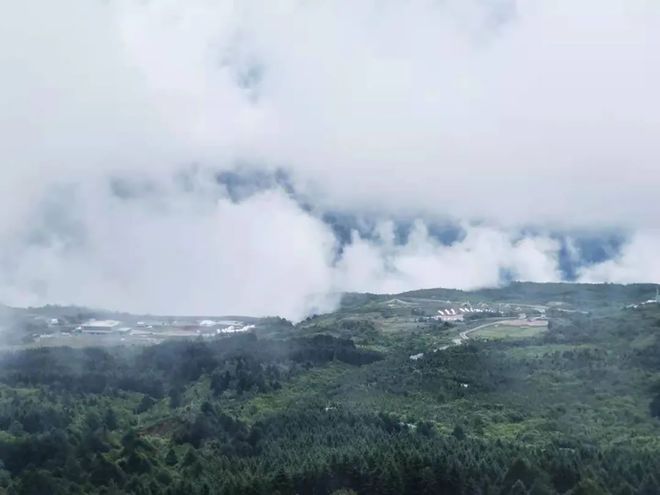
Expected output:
{"points": [[465, 334], [462, 337]]}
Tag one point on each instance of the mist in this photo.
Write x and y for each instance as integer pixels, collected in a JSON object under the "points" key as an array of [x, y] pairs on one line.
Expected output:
{"points": [[525, 126]]}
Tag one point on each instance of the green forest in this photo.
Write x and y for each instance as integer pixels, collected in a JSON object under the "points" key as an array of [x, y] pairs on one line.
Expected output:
{"points": [[374, 398]]}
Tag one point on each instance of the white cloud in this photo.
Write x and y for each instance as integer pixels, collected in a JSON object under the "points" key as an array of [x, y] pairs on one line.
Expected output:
{"points": [[189, 253], [551, 106], [495, 114], [476, 261], [260, 256], [639, 261]]}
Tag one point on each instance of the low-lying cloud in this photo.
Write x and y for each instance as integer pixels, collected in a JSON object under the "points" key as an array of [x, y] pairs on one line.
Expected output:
{"points": [[183, 157]]}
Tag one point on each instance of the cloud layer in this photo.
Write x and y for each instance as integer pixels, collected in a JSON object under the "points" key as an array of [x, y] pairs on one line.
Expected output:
{"points": [[512, 121]]}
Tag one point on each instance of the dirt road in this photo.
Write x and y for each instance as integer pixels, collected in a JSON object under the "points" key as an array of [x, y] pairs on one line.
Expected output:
{"points": [[465, 335]]}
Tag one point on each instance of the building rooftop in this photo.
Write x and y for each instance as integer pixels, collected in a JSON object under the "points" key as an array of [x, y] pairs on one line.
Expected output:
{"points": [[100, 324]]}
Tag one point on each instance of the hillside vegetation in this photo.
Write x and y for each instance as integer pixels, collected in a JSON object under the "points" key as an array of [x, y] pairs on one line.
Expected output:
{"points": [[378, 397]]}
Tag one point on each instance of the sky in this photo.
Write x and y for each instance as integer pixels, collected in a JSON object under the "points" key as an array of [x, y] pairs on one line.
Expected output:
{"points": [[253, 157]]}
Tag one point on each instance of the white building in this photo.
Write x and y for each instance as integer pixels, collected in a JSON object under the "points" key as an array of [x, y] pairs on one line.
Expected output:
{"points": [[449, 315], [100, 326]]}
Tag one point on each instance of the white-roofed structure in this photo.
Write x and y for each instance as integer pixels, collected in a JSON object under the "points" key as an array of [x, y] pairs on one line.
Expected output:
{"points": [[449, 314], [100, 326]]}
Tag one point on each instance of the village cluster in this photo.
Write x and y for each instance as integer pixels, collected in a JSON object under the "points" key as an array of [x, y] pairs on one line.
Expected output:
{"points": [[455, 314], [142, 330]]}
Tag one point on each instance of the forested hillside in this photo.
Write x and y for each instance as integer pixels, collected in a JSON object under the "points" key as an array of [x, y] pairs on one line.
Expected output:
{"points": [[376, 398]]}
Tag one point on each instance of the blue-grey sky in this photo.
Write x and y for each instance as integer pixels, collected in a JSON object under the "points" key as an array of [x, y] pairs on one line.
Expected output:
{"points": [[262, 156]]}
